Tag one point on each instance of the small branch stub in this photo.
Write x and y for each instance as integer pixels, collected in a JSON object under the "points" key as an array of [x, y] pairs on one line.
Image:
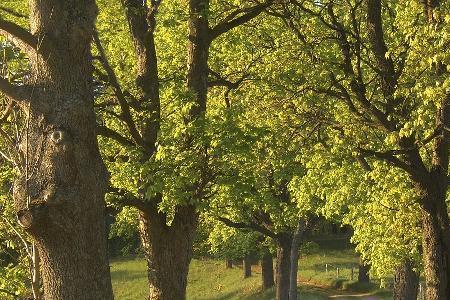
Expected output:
{"points": [[32, 216], [25, 219], [57, 136]]}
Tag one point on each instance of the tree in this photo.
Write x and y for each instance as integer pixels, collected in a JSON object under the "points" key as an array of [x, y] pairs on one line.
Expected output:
{"points": [[406, 282], [252, 188], [165, 191], [267, 270], [384, 105], [61, 183]]}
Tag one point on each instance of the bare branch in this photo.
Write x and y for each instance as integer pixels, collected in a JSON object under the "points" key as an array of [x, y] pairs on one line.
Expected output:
{"points": [[128, 199], [124, 106], [390, 157], [12, 12], [232, 21], [109, 133], [24, 39], [250, 225], [363, 162]]}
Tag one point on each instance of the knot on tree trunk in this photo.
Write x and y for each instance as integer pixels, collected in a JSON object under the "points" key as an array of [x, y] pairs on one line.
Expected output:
{"points": [[31, 216]]}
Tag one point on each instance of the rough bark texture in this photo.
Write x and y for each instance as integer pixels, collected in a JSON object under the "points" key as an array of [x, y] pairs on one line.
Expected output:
{"points": [[435, 250], [406, 282], [267, 271], [59, 196], [198, 52], [283, 267], [435, 217], [296, 242], [247, 266], [142, 23], [168, 251]]}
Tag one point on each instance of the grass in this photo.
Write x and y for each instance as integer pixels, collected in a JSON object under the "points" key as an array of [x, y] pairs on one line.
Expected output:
{"points": [[209, 279]]}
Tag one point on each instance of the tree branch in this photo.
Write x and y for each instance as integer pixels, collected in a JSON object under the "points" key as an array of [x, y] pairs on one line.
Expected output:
{"points": [[24, 39], [231, 21], [109, 133], [128, 199], [356, 81], [141, 17], [14, 92], [125, 108], [12, 12], [380, 50], [389, 157], [251, 225]]}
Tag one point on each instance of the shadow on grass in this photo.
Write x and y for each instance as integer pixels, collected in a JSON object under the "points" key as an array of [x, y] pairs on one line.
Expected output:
{"points": [[305, 293], [124, 275]]}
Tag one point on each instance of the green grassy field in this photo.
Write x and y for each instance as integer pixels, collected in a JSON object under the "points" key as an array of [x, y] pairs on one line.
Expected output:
{"points": [[209, 279]]}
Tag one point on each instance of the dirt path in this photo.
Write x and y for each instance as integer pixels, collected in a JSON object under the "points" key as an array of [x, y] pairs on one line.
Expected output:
{"points": [[334, 294], [355, 296]]}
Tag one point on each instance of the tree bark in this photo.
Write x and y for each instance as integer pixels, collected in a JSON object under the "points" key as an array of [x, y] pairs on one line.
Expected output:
{"points": [[168, 251], [283, 267], [406, 282], [363, 274], [296, 242], [247, 266], [267, 271], [435, 249], [229, 264], [198, 53], [59, 195]]}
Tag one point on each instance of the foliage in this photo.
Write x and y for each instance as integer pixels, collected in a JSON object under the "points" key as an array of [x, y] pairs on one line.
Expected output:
{"points": [[230, 243], [14, 260]]}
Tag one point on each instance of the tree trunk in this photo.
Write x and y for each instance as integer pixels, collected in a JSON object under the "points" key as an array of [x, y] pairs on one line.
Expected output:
{"points": [[229, 264], [363, 274], [435, 249], [267, 271], [296, 242], [406, 282], [247, 266], [283, 267], [198, 53], [168, 251], [59, 195]]}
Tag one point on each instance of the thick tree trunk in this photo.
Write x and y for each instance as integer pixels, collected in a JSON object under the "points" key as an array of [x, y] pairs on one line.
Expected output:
{"points": [[283, 267], [267, 271], [435, 249], [168, 251], [363, 274], [59, 196], [406, 282], [247, 266]]}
